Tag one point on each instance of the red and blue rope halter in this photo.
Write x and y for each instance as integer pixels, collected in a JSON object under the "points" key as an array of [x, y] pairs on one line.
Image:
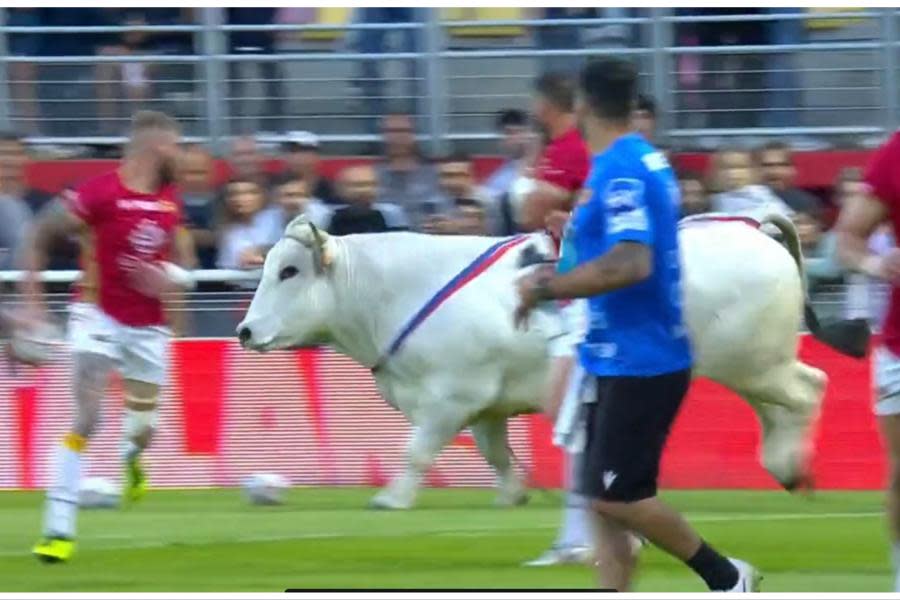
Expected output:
{"points": [[475, 268]]}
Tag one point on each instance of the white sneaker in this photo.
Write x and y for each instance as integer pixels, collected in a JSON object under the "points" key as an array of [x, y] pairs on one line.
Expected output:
{"points": [[563, 555], [748, 577]]}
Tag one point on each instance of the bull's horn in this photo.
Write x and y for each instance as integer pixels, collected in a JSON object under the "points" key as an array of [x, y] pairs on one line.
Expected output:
{"points": [[305, 232]]}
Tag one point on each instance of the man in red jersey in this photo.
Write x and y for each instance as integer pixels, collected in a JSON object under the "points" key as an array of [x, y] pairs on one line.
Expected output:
{"points": [[555, 182], [560, 170], [860, 216], [130, 221]]}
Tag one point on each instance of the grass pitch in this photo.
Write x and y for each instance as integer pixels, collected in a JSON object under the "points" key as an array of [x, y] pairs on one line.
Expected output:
{"points": [[211, 540]]}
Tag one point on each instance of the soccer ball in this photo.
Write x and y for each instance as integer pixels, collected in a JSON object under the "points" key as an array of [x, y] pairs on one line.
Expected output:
{"points": [[265, 488], [98, 492]]}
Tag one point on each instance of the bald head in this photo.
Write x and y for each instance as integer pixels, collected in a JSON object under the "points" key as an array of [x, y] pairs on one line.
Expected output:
{"points": [[359, 184]]}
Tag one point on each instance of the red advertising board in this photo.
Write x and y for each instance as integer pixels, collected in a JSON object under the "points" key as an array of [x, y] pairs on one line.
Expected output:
{"points": [[316, 418]]}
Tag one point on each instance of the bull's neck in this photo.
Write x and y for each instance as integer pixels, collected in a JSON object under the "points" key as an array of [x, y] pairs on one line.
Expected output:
{"points": [[353, 331]]}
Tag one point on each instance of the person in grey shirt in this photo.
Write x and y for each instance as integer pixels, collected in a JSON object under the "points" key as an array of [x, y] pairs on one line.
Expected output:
{"points": [[404, 178]]}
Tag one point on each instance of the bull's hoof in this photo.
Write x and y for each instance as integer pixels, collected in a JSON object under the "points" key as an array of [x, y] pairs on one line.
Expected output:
{"points": [[803, 485], [385, 503]]}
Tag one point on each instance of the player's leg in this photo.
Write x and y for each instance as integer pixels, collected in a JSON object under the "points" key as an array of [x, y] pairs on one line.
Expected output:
{"points": [[144, 371], [887, 409], [91, 338], [627, 431]]}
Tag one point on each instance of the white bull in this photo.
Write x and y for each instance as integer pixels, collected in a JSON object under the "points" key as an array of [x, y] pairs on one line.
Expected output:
{"points": [[467, 365]]}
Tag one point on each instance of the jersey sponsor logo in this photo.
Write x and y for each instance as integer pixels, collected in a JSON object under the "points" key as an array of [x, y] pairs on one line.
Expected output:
{"points": [[602, 350], [655, 161], [160, 205], [147, 238], [624, 200]]}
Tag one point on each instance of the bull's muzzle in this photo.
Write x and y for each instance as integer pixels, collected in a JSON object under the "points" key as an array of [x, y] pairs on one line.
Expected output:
{"points": [[245, 335]]}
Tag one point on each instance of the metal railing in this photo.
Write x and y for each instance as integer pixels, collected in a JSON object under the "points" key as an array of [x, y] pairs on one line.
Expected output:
{"points": [[721, 76]]}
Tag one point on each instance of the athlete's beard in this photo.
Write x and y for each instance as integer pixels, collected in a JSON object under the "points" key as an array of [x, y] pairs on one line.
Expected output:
{"points": [[166, 173]]}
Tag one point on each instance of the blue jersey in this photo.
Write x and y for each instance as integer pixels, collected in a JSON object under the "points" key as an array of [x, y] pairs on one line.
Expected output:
{"points": [[632, 196]]}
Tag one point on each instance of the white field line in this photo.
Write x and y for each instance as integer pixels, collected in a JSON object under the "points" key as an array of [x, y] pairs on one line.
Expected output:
{"points": [[456, 532]]}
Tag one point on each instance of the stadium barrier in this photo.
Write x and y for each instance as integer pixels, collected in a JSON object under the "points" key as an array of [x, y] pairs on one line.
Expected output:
{"points": [[316, 417]]}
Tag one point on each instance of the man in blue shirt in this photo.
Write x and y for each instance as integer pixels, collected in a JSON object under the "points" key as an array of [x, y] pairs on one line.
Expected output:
{"points": [[624, 243]]}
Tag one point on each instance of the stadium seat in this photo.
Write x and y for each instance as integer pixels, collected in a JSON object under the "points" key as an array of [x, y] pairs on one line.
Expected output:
{"points": [[813, 23], [484, 14]]}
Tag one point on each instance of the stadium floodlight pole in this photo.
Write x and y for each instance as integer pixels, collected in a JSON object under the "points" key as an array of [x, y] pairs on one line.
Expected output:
{"points": [[216, 89], [889, 68], [432, 37], [5, 116]]}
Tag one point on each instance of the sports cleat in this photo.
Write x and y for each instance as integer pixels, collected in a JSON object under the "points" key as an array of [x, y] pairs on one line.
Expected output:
{"points": [[748, 577], [54, 550], [563, 555], [135, 481]]}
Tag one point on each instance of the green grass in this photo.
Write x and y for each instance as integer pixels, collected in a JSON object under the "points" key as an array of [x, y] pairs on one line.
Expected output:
{"points": [[211, 540]]}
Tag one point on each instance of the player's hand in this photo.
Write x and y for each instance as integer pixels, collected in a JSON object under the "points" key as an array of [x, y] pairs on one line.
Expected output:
{"points": [[529, 290], [150, 279], [555, 222]]}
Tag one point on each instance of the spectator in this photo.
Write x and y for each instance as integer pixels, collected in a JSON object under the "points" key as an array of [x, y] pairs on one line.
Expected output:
{"points": [[737, 176], [362, 214], [248, 163], [644, 117], [301, 157], [404, 178], [694, 199], [515, 141], [251, 228], [255, 42], [821, 261], [867, 297], [466, 198], [23, 76], [293, 197], [201, 208], [15, 213], [779, 173]]}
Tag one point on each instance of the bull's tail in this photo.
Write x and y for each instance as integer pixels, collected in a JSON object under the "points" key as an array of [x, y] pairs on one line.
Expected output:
{"points": [[849, 336]]}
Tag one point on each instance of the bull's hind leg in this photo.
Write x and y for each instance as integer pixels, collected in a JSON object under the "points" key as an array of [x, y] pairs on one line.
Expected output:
{"points": [[490, 436], [787, 401], [433, 431]]}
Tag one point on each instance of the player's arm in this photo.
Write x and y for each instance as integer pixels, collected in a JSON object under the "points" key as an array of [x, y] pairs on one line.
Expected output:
{"points": [[184, 257], [55, 221], [626, 264], [859, 218], [544, 199]]}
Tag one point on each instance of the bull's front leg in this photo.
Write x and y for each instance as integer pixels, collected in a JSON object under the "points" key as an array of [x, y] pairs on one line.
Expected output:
{"points": [[433, 432]]}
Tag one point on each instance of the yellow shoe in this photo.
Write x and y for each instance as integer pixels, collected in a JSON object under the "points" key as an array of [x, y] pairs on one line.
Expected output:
{"points": [[54, 550], [135, 481]]}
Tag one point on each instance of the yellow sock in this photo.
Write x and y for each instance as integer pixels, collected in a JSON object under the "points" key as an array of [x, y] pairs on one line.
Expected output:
{"points": [[75, 442]]}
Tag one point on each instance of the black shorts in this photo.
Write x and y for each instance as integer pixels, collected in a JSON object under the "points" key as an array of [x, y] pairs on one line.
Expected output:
{"points": [[626, 432]]}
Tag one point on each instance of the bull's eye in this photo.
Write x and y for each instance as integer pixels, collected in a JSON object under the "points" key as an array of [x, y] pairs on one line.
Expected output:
{"points": [[288, 272]]}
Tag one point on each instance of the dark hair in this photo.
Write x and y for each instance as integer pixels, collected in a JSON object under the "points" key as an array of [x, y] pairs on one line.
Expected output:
{"points": [[558, 89], [511, 117], [609, 86], [771, 146], [647, 104]]}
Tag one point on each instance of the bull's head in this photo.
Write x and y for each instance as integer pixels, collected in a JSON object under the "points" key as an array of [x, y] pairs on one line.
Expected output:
{"points": [[295, 299]]}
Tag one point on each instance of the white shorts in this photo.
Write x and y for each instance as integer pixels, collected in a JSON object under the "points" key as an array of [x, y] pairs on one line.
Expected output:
{"points": [[140, 353], [887, 382], [574, 323]]}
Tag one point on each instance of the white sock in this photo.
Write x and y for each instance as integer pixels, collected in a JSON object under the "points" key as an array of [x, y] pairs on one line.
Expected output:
{"points": [[61, 507], [130, 450], [576, 526]]}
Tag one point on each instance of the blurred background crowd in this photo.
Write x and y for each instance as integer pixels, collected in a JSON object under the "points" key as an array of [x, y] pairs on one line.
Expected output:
{"points": [[418, 96]]}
